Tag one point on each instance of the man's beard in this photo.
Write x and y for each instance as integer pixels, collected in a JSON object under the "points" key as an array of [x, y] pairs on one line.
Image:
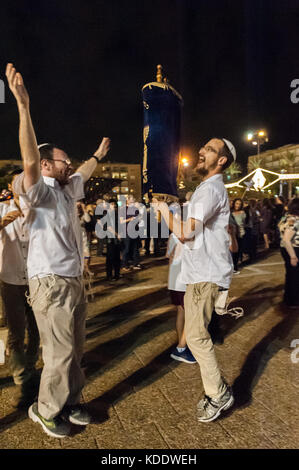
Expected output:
{"points": [[202, 171]]}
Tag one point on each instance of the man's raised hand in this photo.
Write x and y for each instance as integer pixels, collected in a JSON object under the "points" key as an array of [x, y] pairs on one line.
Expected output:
{"points": [[16, 84], [103, 148]]}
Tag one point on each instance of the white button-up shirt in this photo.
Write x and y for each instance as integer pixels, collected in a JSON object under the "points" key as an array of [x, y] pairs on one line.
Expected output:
{"points": [[207, 258], [13, 247], [55, 238]]}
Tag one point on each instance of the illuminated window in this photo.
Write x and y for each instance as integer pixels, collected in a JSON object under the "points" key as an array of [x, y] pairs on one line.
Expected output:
{"points": [[115, 175]]}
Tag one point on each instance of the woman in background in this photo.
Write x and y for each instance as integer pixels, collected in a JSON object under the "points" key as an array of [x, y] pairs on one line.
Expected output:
{"points": [[289, 230]]}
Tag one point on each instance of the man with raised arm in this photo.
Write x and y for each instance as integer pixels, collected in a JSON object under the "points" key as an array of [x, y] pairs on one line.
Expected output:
{"points": [[206, 267], [55, 267]]}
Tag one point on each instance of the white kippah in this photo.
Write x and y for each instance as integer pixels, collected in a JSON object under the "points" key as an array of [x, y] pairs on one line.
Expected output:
{"points": [[231, 148], [43, 145]]}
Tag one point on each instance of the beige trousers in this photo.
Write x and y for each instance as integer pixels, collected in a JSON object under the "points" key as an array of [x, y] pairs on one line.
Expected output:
{"points": [[59, 307], [199, 304]]}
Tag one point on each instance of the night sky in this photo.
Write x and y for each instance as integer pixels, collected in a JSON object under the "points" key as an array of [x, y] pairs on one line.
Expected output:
{"points": [[85, 62]]}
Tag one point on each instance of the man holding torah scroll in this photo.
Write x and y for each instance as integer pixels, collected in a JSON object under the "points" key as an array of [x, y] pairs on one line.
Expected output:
{"points": [[206, 267]]}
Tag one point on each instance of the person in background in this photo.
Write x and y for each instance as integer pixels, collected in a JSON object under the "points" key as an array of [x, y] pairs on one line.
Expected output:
{"points": [[84, 218], [113, 261], [239, 216], [279, 211], [103, 206], [177, 291], [289, 230], [252, 224], [14, 240], [266, 221], [131, 247]]}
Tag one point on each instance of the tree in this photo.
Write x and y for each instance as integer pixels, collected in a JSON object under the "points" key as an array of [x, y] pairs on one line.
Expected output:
{"points": [[233, 171], [288, 163], [255, 163]]}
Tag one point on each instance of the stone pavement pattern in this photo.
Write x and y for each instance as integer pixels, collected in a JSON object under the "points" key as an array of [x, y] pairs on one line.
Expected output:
{"points": [[141, 399]]}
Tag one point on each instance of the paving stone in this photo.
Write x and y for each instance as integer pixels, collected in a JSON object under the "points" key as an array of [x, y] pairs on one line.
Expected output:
{"points": [[143, 407], [258, 417], [143, 437]]}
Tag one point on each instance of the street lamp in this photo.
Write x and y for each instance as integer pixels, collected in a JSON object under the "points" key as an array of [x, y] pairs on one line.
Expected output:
{"points": [[257, 138]]}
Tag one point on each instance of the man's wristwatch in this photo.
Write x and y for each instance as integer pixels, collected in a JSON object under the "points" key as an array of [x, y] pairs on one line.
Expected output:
{"points": [[97, 159]]}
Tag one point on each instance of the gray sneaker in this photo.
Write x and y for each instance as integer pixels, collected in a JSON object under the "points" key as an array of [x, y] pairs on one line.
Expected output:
{"points": [[55, 427], [209, 409], [76, 414]]}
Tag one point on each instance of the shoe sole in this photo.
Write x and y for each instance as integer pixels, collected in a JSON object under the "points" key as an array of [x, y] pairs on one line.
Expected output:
{"points": [[224, 407], [79, 423], [36, 419], [180, 359]]}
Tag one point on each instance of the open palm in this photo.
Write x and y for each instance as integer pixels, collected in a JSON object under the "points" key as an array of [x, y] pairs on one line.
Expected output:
{"points": [[16, 84]]}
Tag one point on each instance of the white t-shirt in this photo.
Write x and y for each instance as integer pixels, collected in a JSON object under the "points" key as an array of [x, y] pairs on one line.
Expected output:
{"points": [[55, 236], [207, 258], [174, 251], [14, 239]]}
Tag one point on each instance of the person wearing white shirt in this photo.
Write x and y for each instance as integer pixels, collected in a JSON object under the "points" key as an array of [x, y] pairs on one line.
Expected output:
{"points": [[55, 267], [20, 317], [177, 291], [206, 268]]}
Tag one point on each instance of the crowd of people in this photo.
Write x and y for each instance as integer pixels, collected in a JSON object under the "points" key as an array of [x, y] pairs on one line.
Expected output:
{"points": [[46, 237]]}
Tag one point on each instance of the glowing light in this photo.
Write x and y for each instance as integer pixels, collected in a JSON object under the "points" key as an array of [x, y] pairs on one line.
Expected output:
{"points": [[254, 143], [249, 136], [261, 133], [259, 180]]}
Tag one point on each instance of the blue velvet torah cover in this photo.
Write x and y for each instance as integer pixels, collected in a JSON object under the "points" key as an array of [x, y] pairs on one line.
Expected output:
{"points": [[161, 135]]}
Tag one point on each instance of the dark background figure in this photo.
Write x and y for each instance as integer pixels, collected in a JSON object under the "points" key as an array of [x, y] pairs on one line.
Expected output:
{"points": [[252, 227], [239, 216], [289, 230], [279, 211], [103, 206], [113, 243], [131, 245], [266, 221]]}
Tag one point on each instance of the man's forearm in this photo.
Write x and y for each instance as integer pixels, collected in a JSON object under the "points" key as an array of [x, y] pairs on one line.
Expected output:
{"points": [[87, 169], [184, 231], [29, 149]]}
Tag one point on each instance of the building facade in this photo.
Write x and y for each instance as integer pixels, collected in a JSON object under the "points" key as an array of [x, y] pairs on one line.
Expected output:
{"points": [[129, 173], [282, 158]]}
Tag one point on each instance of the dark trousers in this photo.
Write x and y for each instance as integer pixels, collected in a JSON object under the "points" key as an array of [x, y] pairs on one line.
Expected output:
{"points": [[113, 259], [130, 252], [156, 245], [238, 255], [20, 318], [291, 289]]}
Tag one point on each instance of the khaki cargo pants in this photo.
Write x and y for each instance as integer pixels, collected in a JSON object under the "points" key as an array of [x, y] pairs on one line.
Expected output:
{"points": [[59, 307], [199, 304]]}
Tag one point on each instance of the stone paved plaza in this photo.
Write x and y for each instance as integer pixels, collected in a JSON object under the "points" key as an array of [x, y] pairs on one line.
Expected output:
{"points": [[141, 399]]}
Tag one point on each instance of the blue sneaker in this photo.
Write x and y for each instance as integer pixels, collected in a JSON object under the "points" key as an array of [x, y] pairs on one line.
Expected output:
{"points": [[184, 356]]}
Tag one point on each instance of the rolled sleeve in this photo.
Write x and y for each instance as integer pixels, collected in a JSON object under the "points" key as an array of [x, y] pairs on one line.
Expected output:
{"points": [[34, 196], [75, 188], [205, 204]]}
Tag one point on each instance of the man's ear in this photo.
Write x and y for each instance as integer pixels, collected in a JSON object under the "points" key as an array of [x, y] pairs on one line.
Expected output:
{"points": [[45, 164], [222, 161]]}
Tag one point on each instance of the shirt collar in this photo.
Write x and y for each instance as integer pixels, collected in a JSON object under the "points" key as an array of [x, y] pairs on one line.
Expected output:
{"points": [[218, 177], [51, 182]]}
